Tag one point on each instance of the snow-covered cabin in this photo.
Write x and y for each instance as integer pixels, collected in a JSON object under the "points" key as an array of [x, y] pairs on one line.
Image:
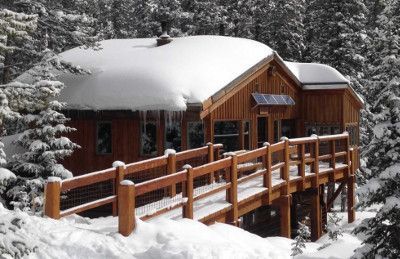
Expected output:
{"points": [[142, 98]]}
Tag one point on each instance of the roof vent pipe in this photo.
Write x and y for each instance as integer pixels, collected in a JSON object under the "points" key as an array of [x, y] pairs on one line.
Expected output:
{"points": [[164, 37]]}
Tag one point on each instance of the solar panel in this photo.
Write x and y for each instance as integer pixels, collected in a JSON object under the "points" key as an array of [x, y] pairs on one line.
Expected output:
{"points": [[272, 99]]}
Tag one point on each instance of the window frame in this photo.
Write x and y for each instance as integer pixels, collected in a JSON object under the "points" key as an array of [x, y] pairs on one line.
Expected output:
{"points": [[97, 137]]}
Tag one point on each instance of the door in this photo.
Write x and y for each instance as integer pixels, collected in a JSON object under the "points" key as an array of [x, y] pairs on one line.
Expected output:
{"points": [[262, 131]]}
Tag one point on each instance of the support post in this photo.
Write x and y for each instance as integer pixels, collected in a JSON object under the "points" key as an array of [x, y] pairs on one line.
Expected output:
{"points": [[303, 165], [126, 208], [232, 191], [286, 168], [316, 162], [284, 206], [119, 177], [267, 177], [187, 211], [210, 159], [316, 219], [351, 214], [171, 169], [52, 197]]}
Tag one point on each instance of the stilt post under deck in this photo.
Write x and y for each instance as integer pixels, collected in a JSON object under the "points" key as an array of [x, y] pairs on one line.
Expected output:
{"points": [[316, 219], [351, 215], [284, 206]]}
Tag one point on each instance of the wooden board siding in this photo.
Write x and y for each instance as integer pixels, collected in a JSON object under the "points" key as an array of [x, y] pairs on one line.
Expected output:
{"points": [[324, 106], [351, 110]]}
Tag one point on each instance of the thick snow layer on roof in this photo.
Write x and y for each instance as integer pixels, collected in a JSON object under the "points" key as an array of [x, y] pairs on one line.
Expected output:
{"points": [[319, 75], [135, 74]]}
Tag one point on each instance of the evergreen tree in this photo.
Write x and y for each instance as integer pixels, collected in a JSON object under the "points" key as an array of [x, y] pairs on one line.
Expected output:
{"points": [[334, 229], [303, 235], [383, 153]]}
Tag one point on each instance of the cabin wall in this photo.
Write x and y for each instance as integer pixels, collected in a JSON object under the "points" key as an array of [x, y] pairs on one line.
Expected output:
{"points": [[351, 109]]}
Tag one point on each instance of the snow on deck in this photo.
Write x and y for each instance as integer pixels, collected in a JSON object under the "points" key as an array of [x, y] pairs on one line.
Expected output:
{"points": [[217, 202]]}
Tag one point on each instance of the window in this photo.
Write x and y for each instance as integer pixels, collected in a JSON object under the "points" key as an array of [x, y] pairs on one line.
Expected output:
{"points": [[246, 135], [227, 133], [103, 138], [148, 138], [288, 128], [195, 134], [262, 131], [173, 135], [322, 128], [277, 131], [353, 134]]}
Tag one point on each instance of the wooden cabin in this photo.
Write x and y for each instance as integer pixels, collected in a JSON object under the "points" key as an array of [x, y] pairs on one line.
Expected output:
{"points": [[143, 97]]}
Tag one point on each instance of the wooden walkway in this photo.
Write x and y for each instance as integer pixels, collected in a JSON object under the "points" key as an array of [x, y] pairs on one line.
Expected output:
{"points": [[237, 184]]}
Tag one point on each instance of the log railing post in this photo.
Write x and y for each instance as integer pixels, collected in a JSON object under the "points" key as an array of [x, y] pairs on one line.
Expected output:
{"points": [[187, 189], [232, 191], [119, 177], [303, 165], [286, 168], [316, 219], [267, 177], [333, 154], [284, 207], [126, 207], [171, 169], [316, 162], [209, 160], [52, 197]]}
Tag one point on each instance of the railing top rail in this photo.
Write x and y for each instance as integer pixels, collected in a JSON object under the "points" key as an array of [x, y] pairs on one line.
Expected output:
{"points": [[252, 154], [343, 135], [305, 140], [87, 179], [160, 182], [146, 164], [279, 146]]}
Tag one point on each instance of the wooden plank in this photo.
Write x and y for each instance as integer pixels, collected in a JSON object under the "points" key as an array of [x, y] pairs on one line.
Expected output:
{"points": [[212, 167], [52, 199], [159, 183], [89, 205], [146, 164], [191, 153], [316, 219], [284, 207], [126, 208], [251, 155], [87, 179], [171, 169], [187, 211]]}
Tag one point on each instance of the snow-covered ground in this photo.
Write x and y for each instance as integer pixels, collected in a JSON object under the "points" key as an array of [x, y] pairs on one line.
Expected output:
{"points": [[77, 237]]}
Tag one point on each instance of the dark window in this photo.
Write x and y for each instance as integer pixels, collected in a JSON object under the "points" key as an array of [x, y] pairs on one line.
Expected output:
{"points": [[246, 135], [353, 134], [104, 138], [277, 131], [173, 135], [148, 138], [227, 133], [262, 131], [195, 134], [288, 128]]}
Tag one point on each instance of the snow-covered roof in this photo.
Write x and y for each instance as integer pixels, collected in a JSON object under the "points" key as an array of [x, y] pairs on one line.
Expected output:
{"points": [[136, 74], [317, 76]]}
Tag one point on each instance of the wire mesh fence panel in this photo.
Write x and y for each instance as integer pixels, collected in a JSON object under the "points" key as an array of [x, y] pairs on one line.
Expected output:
{"points": [[85, 194], [146, 175]]}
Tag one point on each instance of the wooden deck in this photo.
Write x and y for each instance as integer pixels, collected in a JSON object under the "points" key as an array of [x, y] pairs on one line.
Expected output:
{"points": [[239, 183]]}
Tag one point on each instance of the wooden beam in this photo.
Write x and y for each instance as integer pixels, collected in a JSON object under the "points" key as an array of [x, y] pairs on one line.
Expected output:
{"points": [[188, 207], [316, 219], [126, 208], [335, 195], [351, 214], [52, 198], [210, 159], [119, 177], [284, 207], [171, 169], [232, 192]]}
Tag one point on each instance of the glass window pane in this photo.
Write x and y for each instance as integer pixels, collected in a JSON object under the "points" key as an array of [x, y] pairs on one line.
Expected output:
{"points": [[227, 133], [277, 126], [195, 134], [289, 128], [104, 138], [173, 135], [246, 134], [148, 138]]}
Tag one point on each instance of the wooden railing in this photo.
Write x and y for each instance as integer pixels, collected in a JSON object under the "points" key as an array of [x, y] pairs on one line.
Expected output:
{"points": [[229, 172]]}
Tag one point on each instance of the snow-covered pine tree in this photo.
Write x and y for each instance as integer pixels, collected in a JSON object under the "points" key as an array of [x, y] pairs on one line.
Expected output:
{"points": [[43, 141], [383, 153], [285, 29], [303, 235], [334, 229], [14, 28]]}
